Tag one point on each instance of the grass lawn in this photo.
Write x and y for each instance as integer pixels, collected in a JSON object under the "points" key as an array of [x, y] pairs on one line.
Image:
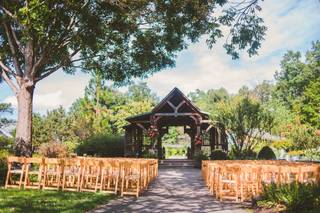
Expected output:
{"points": [[12, 200]]}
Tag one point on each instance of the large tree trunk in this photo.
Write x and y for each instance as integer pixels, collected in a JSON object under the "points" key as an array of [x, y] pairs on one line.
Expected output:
{"points": [[23, 145]]}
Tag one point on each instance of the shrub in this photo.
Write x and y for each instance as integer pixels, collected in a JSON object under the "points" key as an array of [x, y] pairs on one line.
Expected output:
{"points": [[218, 155], [102, 146], [199, 157], [294, 197], [53, 150], [244, 155], [266, 153], [149, 155], [6, 143], [3, 165]]}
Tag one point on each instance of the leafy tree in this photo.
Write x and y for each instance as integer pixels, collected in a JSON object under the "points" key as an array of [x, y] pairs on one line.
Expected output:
{"points": [[208, 100], [141, 92], [245, 121], [122, 39], [263, 92], [303, 137], [308, 106], [4, 108], [97, 109], [130, 109], [245, 91], [298, 84], [281, 114], [295, 75], [172, 136], [55, 126]]}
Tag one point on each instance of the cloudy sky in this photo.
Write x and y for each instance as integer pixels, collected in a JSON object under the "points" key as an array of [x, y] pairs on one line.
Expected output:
{"points": [[292, 25]]}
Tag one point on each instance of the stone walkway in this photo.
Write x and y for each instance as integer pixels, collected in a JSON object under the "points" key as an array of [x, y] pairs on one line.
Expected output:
{"points": [[174, 190]]}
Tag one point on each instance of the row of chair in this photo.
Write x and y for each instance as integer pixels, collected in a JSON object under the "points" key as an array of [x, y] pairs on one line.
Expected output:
{"points": [[126, 176], [243, 179]]}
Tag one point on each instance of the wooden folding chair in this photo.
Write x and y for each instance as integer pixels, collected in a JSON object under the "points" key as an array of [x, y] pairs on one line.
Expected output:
{"points": [[309, 173], [143, 174], [72, 168], [229, 183], [250, 180], [90, 175], [52, 171], [289, 173], [130, 178], [34, 173], [110, 176], [270, 173], [212, 177], [16, 169]]}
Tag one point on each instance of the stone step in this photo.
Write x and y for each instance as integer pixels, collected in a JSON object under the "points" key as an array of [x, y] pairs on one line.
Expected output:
{"points": [[176, 163]]}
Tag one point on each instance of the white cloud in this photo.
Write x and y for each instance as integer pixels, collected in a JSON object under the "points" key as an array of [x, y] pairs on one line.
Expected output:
{"points": [[41, 102], [291, 25], [57, 90]]}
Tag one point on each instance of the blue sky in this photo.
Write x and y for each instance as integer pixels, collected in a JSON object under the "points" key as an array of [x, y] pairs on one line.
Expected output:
{"points": [[292, 25]]}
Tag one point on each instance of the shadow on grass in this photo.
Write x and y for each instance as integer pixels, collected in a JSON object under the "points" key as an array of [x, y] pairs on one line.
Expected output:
{"points": [[12, 200]]}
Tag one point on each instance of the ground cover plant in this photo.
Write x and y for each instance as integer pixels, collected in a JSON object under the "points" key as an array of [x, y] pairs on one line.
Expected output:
{"points": [[12, 200], [294, 197]]}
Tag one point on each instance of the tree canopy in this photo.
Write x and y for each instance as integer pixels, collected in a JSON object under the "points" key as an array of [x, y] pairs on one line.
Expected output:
{"points": [[120, 39]]}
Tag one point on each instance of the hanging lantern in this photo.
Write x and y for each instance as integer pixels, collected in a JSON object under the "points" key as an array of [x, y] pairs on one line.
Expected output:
{"points": [[198, 140], [153, 131]]}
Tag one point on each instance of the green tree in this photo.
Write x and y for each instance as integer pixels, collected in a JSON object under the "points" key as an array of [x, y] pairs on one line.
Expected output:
{"points": [[263, 92], [141, 92], [98, 107], [295, 75], [298, 84], [308, 106], [122, 39], [130, 109], [55, 126], [245, 121], [5, 108], [303, 140], [208, 100]]}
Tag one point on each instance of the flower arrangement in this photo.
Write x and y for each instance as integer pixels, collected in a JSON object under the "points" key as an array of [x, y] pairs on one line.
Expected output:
{"points": [[153, 131], [198, 140]]}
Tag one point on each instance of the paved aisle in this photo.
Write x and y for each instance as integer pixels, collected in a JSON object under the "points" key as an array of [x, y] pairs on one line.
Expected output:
{"points": [[174, 190]]}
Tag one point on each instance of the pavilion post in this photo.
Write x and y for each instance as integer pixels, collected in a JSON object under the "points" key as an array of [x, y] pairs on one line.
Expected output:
{"points": [[159, 146]]}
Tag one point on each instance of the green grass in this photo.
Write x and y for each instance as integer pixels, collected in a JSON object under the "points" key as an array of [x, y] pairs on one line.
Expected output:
{"points": [[12, 200]]}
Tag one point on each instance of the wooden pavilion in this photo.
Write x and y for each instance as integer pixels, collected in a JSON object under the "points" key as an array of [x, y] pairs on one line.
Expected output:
{"points": [[174, 110]]}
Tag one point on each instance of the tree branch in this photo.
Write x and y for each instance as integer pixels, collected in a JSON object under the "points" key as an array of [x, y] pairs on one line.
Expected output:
{"points": [[7, 12], [18, 43], [5, 76], [13, 49], [55, 68]]}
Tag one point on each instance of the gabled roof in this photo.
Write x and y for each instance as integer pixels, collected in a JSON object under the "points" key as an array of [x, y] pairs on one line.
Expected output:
{"points": [[177, 92], [174, 94]]}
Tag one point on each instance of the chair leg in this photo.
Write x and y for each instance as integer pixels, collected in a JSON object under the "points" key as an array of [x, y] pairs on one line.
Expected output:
{"points": [[8, 177], [81, 182], [63, 181], [96, 186], [138, 187], [116, 185], [40, 177], [26, 177], [21, 177], [102, 181], [122, 185]]}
